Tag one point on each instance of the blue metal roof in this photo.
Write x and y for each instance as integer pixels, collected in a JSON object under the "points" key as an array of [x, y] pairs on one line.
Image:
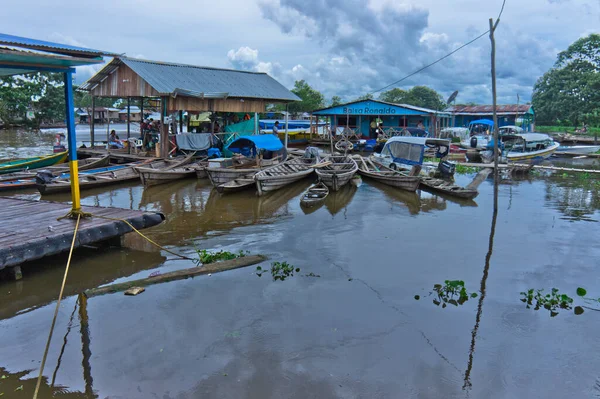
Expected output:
{"points": [[267, 142], [373, 108], [51, 47], [170, 79]]}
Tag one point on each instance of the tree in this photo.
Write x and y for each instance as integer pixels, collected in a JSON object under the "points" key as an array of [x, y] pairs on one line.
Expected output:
{"points": [[396, 96], [569, 93], [311, 99], [419, 96], [335, 100]]}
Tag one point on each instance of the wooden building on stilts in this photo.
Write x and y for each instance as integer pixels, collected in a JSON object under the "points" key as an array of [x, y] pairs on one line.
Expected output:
{"points": [[189, 88]]}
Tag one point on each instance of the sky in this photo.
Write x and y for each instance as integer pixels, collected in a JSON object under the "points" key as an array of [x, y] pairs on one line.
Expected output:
{"points": [[340, 47]]}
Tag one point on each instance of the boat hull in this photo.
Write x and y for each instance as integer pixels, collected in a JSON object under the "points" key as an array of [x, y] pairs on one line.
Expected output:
{"points": [[578, 149], [32, 163], [408, 183], [449, 189], [156, 177], [279, 176], [531, 156], [220, 176], [235, 185], [339, 173]]}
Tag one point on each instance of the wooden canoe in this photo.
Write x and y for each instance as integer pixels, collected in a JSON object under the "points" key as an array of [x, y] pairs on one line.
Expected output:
{"points": [[387, 176], [314, 196], [151, 176], [338, 173], [281, 175], [32, 163], [236, 185], [447, 187], [109, 177]]}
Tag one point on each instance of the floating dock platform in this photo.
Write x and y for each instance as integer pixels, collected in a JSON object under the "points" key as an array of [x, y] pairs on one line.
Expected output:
{"points": [[30, 229]]}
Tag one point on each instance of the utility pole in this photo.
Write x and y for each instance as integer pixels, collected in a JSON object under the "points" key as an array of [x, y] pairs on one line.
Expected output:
{"points": [[496, 144]]}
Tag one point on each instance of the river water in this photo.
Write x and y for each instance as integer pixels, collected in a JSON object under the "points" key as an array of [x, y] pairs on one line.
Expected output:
{"points": [[355, 331]]}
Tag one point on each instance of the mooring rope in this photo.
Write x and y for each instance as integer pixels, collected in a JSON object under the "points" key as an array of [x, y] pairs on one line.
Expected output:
{"points": [[62, 288], [143, 236]]}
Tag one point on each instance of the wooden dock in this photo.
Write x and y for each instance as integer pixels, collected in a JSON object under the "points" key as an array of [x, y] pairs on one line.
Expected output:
{"points": [[30, 229]]}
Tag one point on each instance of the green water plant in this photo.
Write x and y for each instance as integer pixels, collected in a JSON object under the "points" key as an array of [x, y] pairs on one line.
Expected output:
{"points": [[554, 301], [279, 270], [465, 170], [205, 257], [452, 292]]}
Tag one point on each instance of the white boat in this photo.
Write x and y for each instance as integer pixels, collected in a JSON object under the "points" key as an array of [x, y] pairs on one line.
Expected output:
{"points": [[529, 148], [479, 134], [578, 149], [402, 153]]}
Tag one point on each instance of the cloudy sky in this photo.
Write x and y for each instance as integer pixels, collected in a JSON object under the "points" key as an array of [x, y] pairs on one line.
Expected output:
{"points": [[340, 47]]}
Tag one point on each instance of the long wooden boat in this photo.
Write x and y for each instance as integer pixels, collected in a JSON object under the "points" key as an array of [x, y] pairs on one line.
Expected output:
{"points": [[338, 173], [236, 185], [447, 187], [25, 180], [32, 163], [82, 164], [151, 176], [281, 175], [387, 176], [314, 196], [87, 181]]}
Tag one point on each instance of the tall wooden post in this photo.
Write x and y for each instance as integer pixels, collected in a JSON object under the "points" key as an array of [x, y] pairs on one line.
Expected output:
{"points": [[256, 123], [128, 124], [164, 129], [180, 121], [286, 125], [495, 116], [92, 133]]}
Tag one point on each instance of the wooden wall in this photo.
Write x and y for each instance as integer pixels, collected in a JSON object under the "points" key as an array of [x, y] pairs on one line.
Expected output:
{"points": [[194, 104], [123, 83]]}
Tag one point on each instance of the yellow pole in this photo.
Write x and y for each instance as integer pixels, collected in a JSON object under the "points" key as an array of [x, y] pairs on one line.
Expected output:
{"points": [[72, 141]]}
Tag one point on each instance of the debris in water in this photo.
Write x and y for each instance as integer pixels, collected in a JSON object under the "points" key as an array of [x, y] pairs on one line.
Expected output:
{"points": [[133, 291]]}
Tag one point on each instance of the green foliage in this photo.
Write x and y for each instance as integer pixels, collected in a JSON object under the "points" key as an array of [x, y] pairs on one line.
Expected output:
{"points": [[569, 93], [591, 131], [551, 302], [311, 99], [419, 96], [581, 292], [453, 292], [368, 96], [465, 170], [335, 100], [205, 257], [280, 271]]}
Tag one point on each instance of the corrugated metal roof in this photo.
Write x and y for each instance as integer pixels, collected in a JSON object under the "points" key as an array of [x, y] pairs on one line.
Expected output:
{"points": [[173, 79], [51, 47], [488, 109]]}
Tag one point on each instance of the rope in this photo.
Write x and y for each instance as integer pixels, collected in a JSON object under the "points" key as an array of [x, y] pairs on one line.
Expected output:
{"points": [[145, 237], [62, 288]]}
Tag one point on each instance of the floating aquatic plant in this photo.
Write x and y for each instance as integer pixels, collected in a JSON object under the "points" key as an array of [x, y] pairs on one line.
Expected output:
{"points": [[279, 270], [452, 292], [555, 300], [206, 257]]}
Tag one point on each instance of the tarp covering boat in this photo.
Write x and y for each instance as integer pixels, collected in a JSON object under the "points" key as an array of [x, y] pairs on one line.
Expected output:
{"points": [[250, 145], [193, 141], [488, 122]]}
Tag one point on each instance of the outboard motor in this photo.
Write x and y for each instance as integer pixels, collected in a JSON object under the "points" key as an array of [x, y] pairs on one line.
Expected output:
{"points": [[446, 168], [311, 152], [473, 142], [44, 177]]}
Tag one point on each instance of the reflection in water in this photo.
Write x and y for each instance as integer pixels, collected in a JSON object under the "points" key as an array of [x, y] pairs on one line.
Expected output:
{"points": [[338, 200], [482, 289], [107, 265], [64, 345], [85, 346], [576, 197], [16, 386]]}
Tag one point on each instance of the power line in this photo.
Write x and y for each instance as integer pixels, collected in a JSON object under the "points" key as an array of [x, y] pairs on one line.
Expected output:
{"points": [[442, 58]]}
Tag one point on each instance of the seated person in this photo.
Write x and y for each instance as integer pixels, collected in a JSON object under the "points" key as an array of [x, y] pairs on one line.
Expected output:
{"points": [[114, 141]]}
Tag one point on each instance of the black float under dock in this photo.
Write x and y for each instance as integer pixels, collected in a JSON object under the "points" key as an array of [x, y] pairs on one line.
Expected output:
{"points": [[30, 229]]}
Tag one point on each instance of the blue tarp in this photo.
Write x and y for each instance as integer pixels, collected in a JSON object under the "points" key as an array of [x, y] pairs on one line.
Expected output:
{"points": [[482, 122], [268, 142]]}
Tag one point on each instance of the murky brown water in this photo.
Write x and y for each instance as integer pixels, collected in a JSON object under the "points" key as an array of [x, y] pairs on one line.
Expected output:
{"points": [[354, 332]]}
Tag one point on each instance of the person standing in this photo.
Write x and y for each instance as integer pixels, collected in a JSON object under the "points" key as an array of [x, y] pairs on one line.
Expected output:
{"points": [[276, 128], [373, 128]]}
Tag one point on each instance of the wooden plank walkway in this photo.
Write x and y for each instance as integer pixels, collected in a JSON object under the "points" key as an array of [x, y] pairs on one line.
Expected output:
{"points": [[30, 229]]}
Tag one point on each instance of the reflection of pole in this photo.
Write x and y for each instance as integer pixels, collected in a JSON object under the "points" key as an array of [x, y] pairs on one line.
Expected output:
{"points": [[62, 349], [85, 347], [482, 289]]}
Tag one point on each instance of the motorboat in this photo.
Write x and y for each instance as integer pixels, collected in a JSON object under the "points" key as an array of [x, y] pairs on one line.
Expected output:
{"points": [[403, 153], [480, 133], [525, 148]]}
